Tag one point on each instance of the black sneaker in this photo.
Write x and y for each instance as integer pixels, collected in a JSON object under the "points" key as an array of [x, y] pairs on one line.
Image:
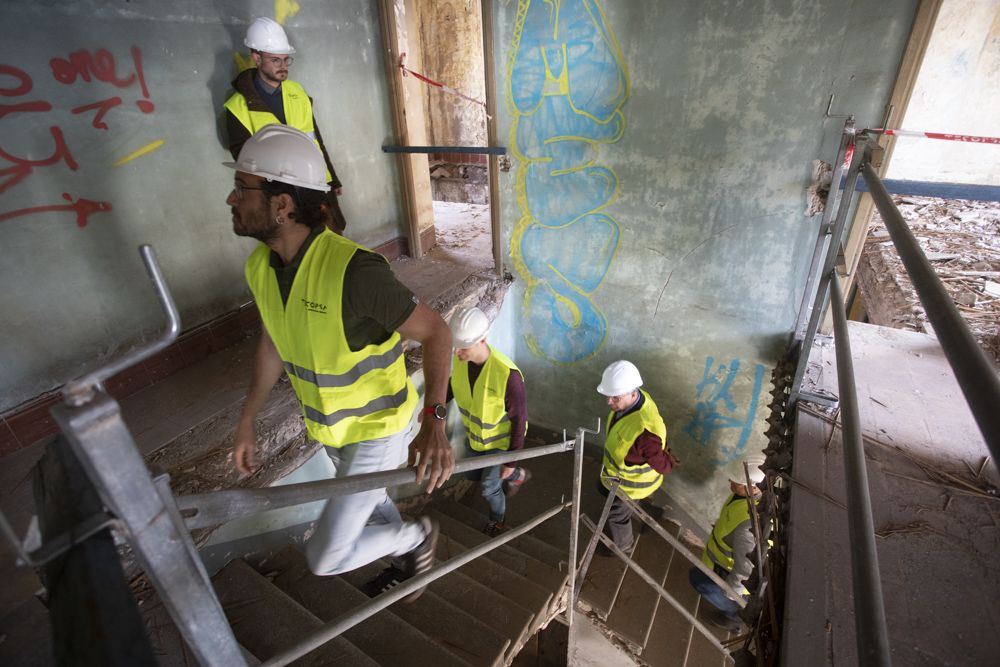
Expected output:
{"points": [[720, 620], [386, 580], [421, 559], [512, 484], [494, 528]]}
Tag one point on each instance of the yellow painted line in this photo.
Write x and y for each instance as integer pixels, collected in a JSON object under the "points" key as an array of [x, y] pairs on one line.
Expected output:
{"points": [[148, 148]]}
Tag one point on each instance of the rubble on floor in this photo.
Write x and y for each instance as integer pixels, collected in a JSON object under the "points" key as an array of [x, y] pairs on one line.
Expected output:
{"points": [[962, 240]]}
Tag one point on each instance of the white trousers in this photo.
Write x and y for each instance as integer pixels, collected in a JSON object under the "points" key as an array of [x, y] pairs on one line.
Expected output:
{"points": [[360, 528]]}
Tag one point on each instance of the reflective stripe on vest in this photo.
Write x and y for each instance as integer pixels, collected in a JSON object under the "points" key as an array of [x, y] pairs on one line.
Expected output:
{"points": [[298, 112], [483, 410], [346, 396], [734, 516], [636, 481]]}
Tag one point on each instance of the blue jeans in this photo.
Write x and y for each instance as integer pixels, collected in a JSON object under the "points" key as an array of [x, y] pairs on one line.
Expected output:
{"points": [[489, 483], [710, 590], [360, 528]]}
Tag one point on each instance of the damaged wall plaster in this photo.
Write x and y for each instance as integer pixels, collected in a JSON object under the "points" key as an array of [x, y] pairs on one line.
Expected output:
{"points": [[117, 160], [658, 214]]}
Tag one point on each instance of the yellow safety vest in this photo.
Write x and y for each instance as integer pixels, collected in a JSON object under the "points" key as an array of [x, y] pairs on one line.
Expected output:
{"points": [[735, 515], [298, 112], [484, 413], [346, 396], [636, 481]]}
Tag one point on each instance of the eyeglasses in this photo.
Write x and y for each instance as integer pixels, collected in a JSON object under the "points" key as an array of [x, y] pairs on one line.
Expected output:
{"points": [[286, 61], [239, 189]]}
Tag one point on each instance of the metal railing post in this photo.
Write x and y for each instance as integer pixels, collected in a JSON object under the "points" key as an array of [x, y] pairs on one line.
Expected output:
{"points": [[869, 609], [862, 150], [574, 535], [974, 372], [832, 200]]}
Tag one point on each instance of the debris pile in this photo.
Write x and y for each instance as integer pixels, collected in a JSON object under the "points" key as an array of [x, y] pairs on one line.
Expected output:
{"points": [[962, 240]]}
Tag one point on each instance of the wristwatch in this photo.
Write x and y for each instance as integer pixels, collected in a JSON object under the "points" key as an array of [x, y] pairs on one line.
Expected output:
{"points": [[438, 410]]}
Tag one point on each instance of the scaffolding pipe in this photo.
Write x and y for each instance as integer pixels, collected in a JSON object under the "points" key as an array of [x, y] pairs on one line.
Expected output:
{"points": [[201, 510], [345, 622], [975, 373], [869, 609], [862, 150]]}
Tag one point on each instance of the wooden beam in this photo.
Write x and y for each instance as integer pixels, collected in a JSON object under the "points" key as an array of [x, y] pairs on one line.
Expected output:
{"points": [[491, 135], [390, 48]]}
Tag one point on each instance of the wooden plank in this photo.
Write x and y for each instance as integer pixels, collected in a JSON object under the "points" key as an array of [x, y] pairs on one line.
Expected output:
{"points": [[94, 617], [491, 133]]}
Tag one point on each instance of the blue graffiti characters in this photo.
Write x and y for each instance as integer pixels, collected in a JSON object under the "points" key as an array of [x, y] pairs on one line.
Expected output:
{"points": [[716, 410]]}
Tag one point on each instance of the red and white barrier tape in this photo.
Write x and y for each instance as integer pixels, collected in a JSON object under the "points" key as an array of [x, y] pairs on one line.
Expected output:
{"points": [[940, 135], [437, 84]]}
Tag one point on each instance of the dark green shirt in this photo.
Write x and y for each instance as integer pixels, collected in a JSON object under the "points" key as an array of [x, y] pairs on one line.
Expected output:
{"points": [[375, 303]]}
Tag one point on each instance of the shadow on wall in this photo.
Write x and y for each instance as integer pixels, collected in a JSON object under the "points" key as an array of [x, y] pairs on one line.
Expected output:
{"points": [[220, 82]]}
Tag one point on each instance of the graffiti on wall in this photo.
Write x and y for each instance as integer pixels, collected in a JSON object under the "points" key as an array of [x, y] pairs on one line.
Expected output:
{"points": [[567, 84], [716, 411], [21, 111]]}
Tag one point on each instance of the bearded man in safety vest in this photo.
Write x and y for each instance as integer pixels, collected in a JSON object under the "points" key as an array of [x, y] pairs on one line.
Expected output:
{"points": [[334, 318], [635, 447], [489, 391], [728, 550], [265, 95]]}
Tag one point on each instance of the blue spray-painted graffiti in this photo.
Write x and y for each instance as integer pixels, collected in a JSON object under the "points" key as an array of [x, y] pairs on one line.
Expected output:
{"points": [[716, 409], [567, 83]]}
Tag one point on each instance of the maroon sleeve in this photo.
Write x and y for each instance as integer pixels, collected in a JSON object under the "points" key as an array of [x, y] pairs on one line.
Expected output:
{"points": [[516, 403], [648, 448]]}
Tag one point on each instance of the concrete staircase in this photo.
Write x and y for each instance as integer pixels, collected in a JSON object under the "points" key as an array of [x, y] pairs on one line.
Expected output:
{"points": [[479, 616]]}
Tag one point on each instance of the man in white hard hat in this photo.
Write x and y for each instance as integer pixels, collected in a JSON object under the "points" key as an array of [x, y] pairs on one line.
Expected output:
{"points": [[334, 318], [265, 95], [728, 549], [635, 447], [489, 391]]}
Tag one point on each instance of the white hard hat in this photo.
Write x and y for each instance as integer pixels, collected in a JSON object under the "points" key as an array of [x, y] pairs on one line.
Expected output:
{"points": [[469, 325], [267, 35], [753, 460], [619, 378], [284, 154]]}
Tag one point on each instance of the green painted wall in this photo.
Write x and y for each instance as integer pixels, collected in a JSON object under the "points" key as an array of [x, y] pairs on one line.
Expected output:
{"points": [[654, 209], [73, 295]]}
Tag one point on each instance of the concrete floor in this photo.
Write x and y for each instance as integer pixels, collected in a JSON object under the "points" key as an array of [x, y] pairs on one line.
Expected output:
{"points": [[937, 537]]}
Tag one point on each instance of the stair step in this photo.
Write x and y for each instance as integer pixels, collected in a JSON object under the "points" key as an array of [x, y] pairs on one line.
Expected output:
{"points": [[636, 603], [491, 607], [457, 630], [529, 544], [667, 646], [385, 637], [604, 578], [497, 577], [702, 652], [265, 620], [543, 575]]}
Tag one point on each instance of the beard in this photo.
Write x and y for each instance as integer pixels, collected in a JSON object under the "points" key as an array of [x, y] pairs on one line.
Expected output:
{"points": [[257, 225]]}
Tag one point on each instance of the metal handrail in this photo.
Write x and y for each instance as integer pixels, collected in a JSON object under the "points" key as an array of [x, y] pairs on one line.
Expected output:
{"points": [[347, 621], [201, 510], [869, 609], [974, 372]]}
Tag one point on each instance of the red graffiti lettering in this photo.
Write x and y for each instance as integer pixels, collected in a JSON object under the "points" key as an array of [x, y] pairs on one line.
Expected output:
{"points": [[103, 107], [22, 168], [84, 208], [6, 109], [83, 64], [23, 88]]}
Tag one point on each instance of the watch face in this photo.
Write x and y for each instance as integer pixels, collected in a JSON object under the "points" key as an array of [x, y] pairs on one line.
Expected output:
{"points": [[440, 412]]}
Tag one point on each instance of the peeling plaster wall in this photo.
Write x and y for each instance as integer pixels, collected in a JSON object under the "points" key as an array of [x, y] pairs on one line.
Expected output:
{"points": [[76, 295], [655, 208], [957, 91], [451, 35]]}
